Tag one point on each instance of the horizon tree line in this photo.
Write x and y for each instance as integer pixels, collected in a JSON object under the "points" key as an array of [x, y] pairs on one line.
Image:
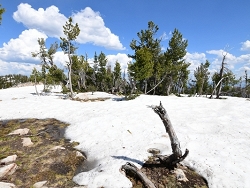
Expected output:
{"points": [[151, 71]]}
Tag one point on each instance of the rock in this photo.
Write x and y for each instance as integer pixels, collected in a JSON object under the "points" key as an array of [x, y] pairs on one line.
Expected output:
{"points": [[7, 185], [8, 159], [79, 154], [8, 169], [180, 175], [154, 151], [20, 131], [40, 184], [57, 147], [27, 142]]}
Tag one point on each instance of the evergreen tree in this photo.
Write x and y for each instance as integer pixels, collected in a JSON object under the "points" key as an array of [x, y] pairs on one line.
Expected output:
{"points": [[174, 60], [117, 77], [202, 75], [102, 72], [109, 79], [46, 56], [71, 32], [2, 10], [142, 68], [147, 43]]}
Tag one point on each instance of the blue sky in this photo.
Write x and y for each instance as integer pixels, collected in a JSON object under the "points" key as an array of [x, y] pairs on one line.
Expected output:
{"points": [[110, 25]]}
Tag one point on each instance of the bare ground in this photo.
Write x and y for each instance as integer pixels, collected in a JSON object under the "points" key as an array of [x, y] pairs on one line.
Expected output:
{"points": [[39, 163]]}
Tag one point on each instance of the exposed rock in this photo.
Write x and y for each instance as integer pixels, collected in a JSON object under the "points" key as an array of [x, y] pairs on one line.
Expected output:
{"points": [[20, 131], [57, 147], [154, 151], [7, 185], [8, 159], [40, 184], [8, 170], [79, 154], [180, 175], [27, 142]]}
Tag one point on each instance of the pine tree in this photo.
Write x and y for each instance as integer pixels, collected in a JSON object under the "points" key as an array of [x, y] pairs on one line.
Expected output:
{"points": [[102, 72], [202, 75], [71, 33], [142, 68], [46, 57], [117, 76], [148, 44], [2, 10], [174, 59]]}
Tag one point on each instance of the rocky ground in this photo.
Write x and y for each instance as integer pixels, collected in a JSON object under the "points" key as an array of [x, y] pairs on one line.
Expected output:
{"points": [[38, 153], [34, 153]]}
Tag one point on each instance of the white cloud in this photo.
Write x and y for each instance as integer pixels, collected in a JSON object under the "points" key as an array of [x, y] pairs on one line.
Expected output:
{"points": [[195, 59], [230, 59], [20, 49], [246, 46], [123, 59], [50, 21], [93, 30], [17, 68], [60, 60], [235, 64]]}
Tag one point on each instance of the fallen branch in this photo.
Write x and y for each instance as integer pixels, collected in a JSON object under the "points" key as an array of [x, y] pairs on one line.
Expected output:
{"points": [[128, 167]]}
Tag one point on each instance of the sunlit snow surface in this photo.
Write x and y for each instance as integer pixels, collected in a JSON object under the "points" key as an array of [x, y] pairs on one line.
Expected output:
{"points": [[113, 132]]}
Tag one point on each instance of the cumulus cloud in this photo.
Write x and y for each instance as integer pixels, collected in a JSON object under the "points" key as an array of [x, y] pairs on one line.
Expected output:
{"points": [[123, 59], [237, 64], [195, 59], [17, 68], [60, 60], [246, 46], [19, 49], [230, 60], [93, 30], [50, 21]]}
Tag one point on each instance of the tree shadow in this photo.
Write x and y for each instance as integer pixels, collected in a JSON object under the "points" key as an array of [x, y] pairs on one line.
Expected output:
{"points": [[129, 159]]}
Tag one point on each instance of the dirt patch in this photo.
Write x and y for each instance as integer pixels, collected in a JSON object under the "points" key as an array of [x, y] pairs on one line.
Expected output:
{"points": [[164, 176], [91, 99], [40, 161]]}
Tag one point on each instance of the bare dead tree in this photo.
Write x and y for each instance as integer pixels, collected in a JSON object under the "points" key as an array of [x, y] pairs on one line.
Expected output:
{"points": [[177, 156], [221, 75], [171, 160]]}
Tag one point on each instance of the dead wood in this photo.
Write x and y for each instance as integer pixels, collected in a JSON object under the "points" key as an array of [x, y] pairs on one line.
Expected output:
{"points": [[175, 144], [128, 167], [167, 161]]}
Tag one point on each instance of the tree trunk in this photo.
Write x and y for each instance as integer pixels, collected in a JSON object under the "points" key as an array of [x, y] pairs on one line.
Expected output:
{"points": [[70, 82], [175, 144], [211, 96], [221, 76], [36, 87], [70, 67], [157, 84], [128, 167], [173, 159], [145, 86]]}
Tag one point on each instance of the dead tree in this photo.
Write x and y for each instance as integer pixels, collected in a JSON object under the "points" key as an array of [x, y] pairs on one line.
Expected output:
{"points": [[177, 156], [171, 160]]}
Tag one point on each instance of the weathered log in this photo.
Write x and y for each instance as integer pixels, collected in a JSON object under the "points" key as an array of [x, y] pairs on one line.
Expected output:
{"points": [[128, 167], [171, 160], [175, 144]]}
